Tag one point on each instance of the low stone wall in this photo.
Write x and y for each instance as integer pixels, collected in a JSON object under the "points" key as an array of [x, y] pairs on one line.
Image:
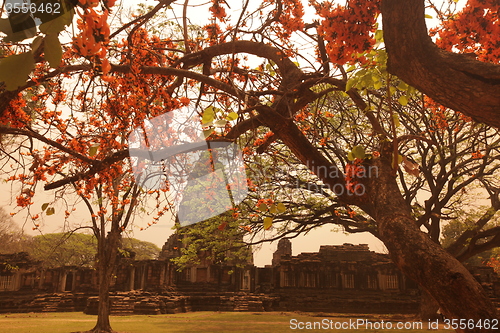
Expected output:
{"points": [[152, 303], [314, 300], [29, 301]]}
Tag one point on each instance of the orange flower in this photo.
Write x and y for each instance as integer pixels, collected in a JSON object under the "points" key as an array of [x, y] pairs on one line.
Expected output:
{"points": [[477, 155]]}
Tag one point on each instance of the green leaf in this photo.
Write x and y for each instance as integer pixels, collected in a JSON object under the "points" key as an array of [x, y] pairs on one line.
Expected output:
{"points": [[402, 86], [395, 117], [400, 159], [58, 24], [350, 156], [351, 83], [351, 68], [45, 205], [208, 132], [268, 222], [15, 69], [428, 16], [208, 115], [50, 211], [232, 116], [411, 90], [262, 207], [358, 152], [273, 209], [367, 80], [281, 207], [5, 26], [52, 50], [36, 43], [220, 123], [403, 100], [93, 150]]}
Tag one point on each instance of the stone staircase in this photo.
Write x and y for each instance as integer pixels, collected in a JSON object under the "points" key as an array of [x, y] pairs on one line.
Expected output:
{"points": [[57, 302], [151, 303]]}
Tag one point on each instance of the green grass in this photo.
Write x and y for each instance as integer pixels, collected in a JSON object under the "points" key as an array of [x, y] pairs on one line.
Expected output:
{"points": [[233, 322]]}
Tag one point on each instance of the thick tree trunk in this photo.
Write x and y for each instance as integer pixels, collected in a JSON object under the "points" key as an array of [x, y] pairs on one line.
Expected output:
{"points": [[458, 294], [107, 256], [103, 325], [428, 307], [453, 80]]}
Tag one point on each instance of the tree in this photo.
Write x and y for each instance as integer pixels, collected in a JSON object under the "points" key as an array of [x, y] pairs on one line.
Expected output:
{"points": [[123, 82], [453, 230], [61, 249], [78, 249], [446, 159], [218, 240], [12, 238], [455, 80], [143, 250], [72, 145]]}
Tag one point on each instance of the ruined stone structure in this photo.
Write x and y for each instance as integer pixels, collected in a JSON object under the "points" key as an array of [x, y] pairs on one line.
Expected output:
{"points": [[207, 275], [341, 267], [343, 278], [284, 250]]}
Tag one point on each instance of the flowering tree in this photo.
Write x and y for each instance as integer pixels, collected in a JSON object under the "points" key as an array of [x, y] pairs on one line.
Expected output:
{"points": [[458, 81], [262, 67]]}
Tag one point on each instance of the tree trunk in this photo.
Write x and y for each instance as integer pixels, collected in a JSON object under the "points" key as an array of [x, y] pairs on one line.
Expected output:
{"points": [[428, 307], [453, 80], [412, 251], [103, 324], [107, 259], [454, 288]]}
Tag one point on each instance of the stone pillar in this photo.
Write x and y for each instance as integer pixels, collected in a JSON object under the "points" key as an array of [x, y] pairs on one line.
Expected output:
{"points": [[62, 280], [143, 277], [15, 283], [42, 278], [193, 274], [381, 281], [161, 280], [131, 277]]}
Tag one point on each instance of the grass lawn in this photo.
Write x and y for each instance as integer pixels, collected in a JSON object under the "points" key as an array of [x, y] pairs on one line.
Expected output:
{"points": [[275, 322]]}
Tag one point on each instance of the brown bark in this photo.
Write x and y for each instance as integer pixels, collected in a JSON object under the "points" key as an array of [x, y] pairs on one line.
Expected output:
{"points": [[460, 83], [428, 307], [453, 80], [421, 259], [107, 256], [413, 252], [103, 325]]}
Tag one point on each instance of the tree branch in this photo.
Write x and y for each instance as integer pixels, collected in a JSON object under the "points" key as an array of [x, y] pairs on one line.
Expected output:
{"points": [[453, 80]]}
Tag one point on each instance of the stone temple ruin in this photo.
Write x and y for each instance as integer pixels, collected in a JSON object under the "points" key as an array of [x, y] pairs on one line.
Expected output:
{"points": [[338, 278]]}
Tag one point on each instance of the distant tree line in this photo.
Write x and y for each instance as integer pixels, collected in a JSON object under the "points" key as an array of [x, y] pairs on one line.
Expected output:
{"points": [[58, 249]]}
